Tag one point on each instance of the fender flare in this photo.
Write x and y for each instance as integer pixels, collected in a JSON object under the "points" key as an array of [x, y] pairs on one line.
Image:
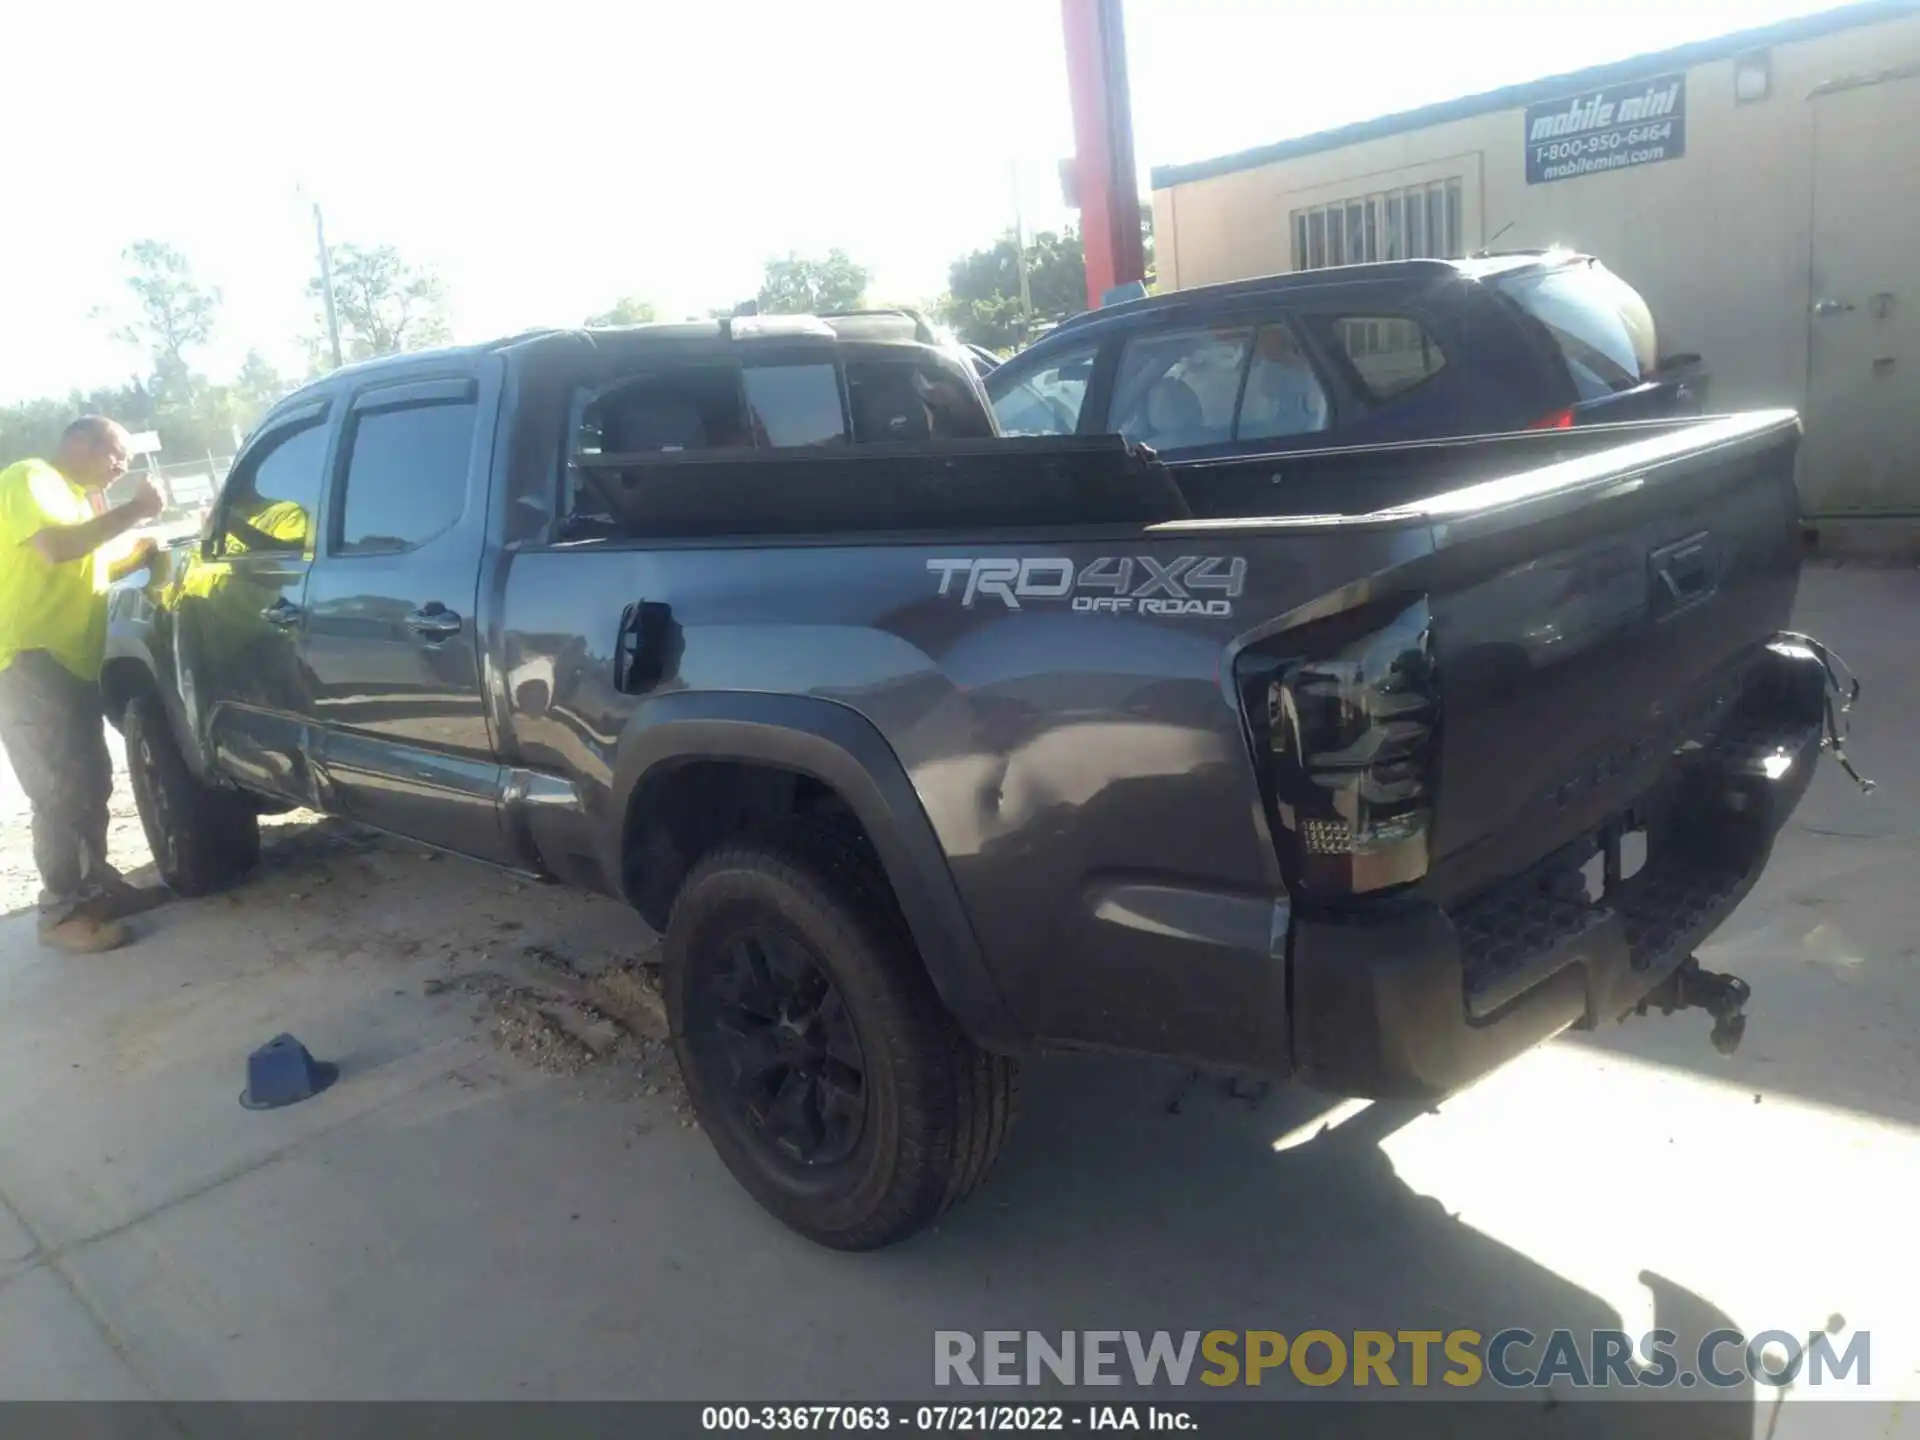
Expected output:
{"points": [[839, 747], [130, 653]]}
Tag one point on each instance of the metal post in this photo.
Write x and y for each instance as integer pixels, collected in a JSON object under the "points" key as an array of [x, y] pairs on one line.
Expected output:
{"points": [[1108, 189], [1020, 258], [326, 285]]}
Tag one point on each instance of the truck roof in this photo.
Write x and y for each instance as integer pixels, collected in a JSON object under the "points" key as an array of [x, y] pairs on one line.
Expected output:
{"points": [[900, 329], [853, 331]]}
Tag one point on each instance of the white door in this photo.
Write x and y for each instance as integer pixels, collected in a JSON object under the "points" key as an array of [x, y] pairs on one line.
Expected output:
{"points": [[1862, 450]]}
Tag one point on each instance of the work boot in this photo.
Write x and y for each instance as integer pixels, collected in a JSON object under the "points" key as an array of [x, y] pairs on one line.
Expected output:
{"points": [[120, 898], [84, 934]]}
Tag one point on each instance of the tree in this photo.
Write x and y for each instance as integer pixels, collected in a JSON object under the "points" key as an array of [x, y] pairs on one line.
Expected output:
{"points": [[799, 285], [983, 288], [627, 310], [983, 300], [190, 427], [32, 428], [386, 306], [173, 317], [253, 391], [174, 313]]}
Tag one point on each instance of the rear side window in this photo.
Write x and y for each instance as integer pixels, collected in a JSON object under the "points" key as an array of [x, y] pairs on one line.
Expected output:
{"points": [[1598, 322], [1176, 389], [795, 405], [1284, 395], [1046, 401], [1390, 354], [406, 476]]}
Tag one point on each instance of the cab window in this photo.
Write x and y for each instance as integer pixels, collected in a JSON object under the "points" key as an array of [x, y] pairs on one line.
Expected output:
{"points": [[658, 412], [271, 497], [792, 406], [406, 476], [905, 400], [665, 412]]}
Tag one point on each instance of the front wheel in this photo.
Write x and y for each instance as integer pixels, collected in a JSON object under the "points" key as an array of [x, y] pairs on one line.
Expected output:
{"points": [[202, 839], [830, 1078]]}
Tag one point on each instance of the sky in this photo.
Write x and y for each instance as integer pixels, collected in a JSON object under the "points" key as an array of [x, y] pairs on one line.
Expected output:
{"points": [[550, 158]]}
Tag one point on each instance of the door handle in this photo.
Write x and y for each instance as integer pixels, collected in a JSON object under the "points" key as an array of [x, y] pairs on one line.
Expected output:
{"points": [[1831, 307], [433, 621], [282, 612]]}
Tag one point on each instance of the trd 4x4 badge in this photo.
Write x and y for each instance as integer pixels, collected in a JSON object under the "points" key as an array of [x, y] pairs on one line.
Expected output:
{"points": [[1111, 585]]}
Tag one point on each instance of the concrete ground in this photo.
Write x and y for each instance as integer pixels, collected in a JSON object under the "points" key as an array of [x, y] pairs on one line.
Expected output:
{"points": [[503, 1197]]}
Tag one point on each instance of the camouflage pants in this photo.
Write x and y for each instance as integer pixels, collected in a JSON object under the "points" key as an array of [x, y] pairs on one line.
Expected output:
{"points": [[54, 730]]}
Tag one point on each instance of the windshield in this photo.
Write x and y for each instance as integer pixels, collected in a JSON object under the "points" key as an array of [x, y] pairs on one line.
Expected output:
{"points": [[1599, 323]]}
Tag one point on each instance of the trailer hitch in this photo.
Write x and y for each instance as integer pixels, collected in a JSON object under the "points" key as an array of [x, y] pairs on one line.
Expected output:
{"points": [[1691, 987]]}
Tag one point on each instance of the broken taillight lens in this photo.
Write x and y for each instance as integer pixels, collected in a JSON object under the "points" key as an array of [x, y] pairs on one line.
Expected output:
{"points": [[1348, 731]]}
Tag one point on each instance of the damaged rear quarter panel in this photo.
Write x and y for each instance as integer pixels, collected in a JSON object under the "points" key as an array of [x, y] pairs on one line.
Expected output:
{"points": [[1082, 762]]}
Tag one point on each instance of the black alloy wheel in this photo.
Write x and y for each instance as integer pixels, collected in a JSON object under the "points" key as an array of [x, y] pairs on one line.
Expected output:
{"points": [[817, 1054], [799, 1079]]}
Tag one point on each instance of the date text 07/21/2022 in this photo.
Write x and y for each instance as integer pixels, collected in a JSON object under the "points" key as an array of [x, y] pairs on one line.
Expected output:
{"points": [[942, 1419]]}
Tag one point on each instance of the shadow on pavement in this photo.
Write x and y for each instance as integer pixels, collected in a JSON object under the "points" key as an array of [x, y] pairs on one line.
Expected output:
{"points": [[1172, 1194]]}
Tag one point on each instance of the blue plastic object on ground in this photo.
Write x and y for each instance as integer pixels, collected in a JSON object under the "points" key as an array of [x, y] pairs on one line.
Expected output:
{"points": [[282, 1072]]}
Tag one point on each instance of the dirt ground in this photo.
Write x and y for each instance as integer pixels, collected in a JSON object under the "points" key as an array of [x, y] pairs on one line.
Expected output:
{"points": [[19, 884], [563, 1013]]}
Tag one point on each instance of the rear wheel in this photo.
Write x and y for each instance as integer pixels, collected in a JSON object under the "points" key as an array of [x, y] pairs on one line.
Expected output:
{"points": [[821, 1063], [202, 839]]}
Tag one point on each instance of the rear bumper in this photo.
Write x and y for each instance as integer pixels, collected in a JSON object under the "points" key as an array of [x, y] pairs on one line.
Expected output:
{"points": [[1419, 1001]]}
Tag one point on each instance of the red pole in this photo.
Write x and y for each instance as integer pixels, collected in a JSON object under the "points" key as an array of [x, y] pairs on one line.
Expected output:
{"points": [[1108, 191]]}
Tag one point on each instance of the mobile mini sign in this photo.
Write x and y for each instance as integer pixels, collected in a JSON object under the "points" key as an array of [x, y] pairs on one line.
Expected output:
{"points": [[1611, 127]]}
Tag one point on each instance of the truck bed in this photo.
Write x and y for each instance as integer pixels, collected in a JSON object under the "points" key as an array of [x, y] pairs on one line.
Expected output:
{"points": [[1073, 652]]}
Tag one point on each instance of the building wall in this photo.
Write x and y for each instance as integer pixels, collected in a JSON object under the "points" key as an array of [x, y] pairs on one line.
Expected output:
{"points": [[1719, 241]]}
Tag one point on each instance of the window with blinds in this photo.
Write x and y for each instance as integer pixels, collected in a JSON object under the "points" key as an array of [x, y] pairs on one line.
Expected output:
{"points": [[1411, 223]]}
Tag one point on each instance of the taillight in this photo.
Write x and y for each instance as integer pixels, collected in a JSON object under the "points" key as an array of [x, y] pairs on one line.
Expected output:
{"points": [[1347, 729], [1558, 420]]}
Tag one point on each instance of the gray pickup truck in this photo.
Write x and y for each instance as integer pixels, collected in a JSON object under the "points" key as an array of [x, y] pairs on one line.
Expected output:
{"points": [[926, 749]]}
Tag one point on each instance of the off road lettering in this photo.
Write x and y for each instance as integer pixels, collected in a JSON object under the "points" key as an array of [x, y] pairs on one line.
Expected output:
{"points": [[1196, 585]]}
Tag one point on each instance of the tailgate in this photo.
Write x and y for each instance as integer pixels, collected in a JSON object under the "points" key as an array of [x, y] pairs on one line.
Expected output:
{"points": [[1524, 672], [1516, 779], [1579, 643]]}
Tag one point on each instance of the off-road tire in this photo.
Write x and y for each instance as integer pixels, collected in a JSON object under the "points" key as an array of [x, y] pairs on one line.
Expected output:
{"points": [[937, 1107], [202, 839]]}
